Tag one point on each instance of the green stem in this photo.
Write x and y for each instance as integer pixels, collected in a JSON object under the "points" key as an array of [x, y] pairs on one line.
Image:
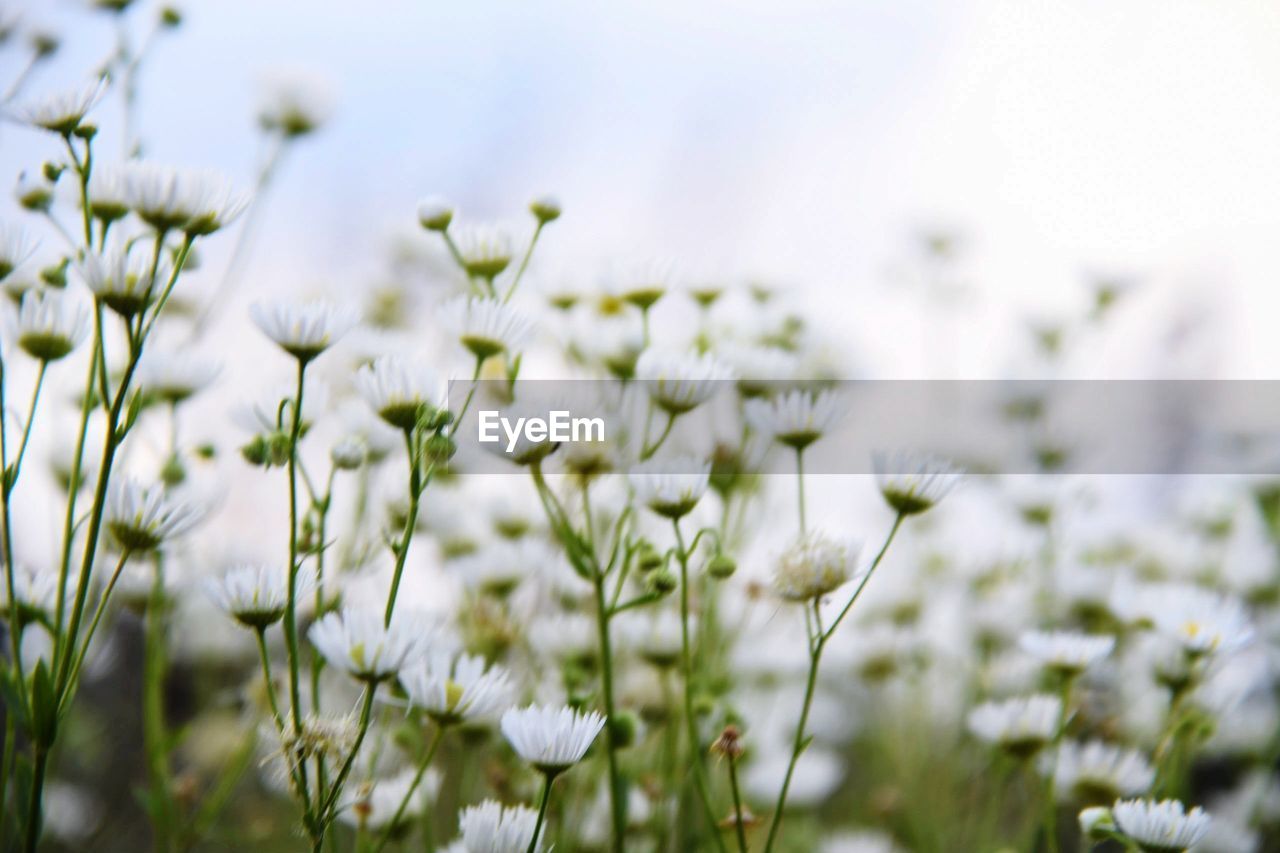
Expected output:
{"points": [[524, 263], [799, 742], [97, 616], [542, 812], [691, 721], [330, 800], [261, 634], [617, 796], [737, 805], [800, 488], [26, 430], [410, 523], [844, 611], [648, 451], [291, 604], [32, 829], [155, 737], [413, 786]]}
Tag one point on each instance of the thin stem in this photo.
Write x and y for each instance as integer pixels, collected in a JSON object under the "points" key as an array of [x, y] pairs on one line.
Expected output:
{"points": [[261, 634], [737, 804], [524, 263], [366, 713], [648, 451], [617, 796], [155, 736], [97, 616], [6, 535], [410, 524], [32, 837], [413, 786], [542, 812], [291, 605], [800, 488], [897, 522], [818, 637], [686, 662], [26, 430]]}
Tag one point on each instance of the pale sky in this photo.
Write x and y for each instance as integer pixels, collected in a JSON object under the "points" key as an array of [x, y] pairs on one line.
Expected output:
{"points": [[799, 141]]}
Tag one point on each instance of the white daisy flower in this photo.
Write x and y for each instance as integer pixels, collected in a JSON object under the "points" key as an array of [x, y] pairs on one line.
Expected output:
{"points": [[50, 324], [797, 418], [36, 591], [295, 102], [813, 566], [196, 201], [1022, 725], [860, 841], [15, 247], [670, 487], [304, 331], [357, 641], [485, 251], [486, 327], [494, 828], [398, 390], [679, 382], [1202, 621], [454, 688], [1067, 652], [63, 112], [913, 483], [552, 739], [256, 596], [1097, 772], [121, 282], [1163, 827], [142, 518], [109, 198], [760, 370], [175, 377]]}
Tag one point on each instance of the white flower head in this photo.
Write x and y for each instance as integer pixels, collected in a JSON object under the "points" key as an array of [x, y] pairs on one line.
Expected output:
{"points": [[120, 281], [912, 483], [1068, 652], [1097, 772], [295, 102], [1163, 827], [796, 418], [176, 376], [36, 592], [109, 192], [196, 201], [256, 595], [1201, 621], [15, 247], [304, 331], [1022, 726], [358, 642], [399, 391], [487, 327], [50, 323], [679, 382], [552, 739], [813, 566], [142, 518], [759, 370], [494, 828], [63, 112], [454, 688], [485, 251], [671, 487]]}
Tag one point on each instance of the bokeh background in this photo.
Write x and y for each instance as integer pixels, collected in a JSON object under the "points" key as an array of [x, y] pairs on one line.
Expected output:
{"points": [[807, 143]]}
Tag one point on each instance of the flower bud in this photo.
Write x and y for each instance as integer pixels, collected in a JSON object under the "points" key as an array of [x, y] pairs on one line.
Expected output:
{"points": [[721, 566], [624, 727], [435, 214], [662, 582], [546, 208]]}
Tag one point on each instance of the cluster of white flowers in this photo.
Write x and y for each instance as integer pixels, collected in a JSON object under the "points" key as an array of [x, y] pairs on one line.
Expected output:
{"points": [[636, 642]]}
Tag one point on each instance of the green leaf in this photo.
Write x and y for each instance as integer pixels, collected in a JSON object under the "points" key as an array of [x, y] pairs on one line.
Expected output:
{"points": [[44, 707]]}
